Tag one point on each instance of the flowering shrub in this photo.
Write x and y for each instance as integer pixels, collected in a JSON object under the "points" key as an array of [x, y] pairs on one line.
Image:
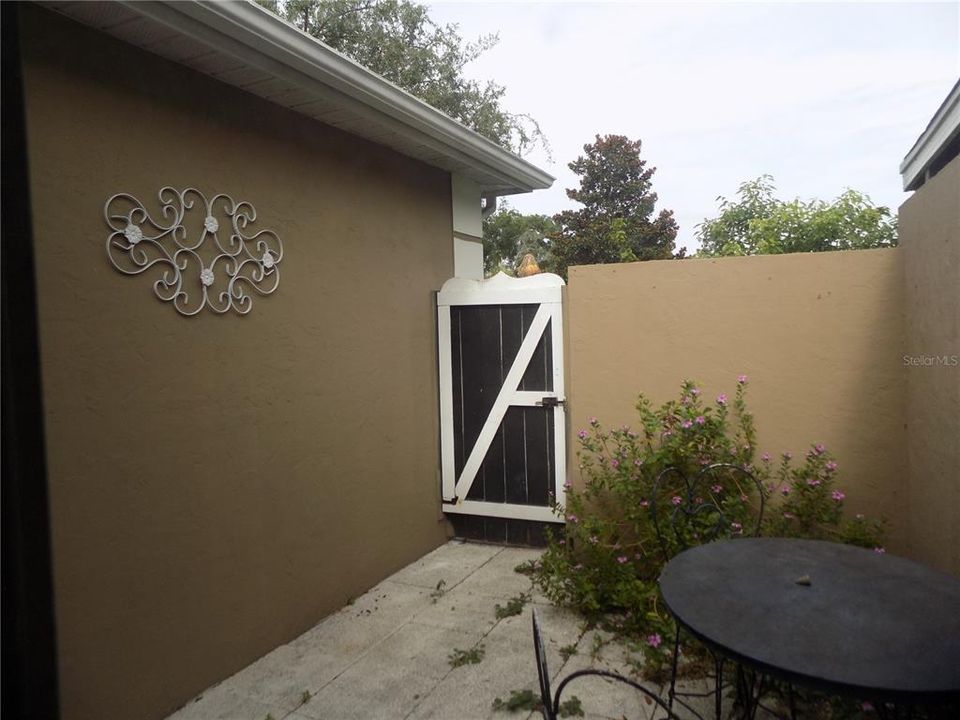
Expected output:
{"points": [[606, 560], [811, 507]]}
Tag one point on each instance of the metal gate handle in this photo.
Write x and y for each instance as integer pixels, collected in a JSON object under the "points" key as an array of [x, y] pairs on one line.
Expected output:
{"points": [[551, 401]]}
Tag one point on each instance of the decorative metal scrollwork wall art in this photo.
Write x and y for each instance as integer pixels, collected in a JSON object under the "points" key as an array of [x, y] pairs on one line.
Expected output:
{"points": [[222, 265]]}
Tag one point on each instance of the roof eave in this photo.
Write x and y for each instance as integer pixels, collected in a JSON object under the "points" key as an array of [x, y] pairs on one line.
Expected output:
{"points": [[248, 33], [942, 129]]}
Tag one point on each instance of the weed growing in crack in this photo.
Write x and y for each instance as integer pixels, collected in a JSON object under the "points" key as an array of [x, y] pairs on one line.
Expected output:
{"points": [[519, 700], [474, 655], [528, 701], [513, 607]]}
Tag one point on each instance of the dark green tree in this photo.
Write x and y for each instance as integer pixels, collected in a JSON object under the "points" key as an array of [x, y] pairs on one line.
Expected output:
{"points": [[757, 223], [508, 234], [398, 40], [618, 221]]}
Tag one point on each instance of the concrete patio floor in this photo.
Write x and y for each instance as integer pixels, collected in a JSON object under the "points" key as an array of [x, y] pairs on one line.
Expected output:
{"points": [[387, 654]]}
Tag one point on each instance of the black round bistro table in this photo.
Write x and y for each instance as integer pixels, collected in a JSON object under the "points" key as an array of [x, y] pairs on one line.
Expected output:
{"points": [[843, 619]]}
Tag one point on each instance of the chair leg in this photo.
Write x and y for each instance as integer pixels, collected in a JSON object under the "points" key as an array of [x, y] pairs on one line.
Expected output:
{"points": [[673, 669]]}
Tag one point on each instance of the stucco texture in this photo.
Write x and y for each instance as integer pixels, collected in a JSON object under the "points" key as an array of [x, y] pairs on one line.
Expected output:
{"points": [[818, 335], [930, 242], [220, 483]]}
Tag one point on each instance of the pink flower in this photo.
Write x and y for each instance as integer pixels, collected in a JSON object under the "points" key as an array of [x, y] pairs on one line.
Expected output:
{"points": [[838, 495], [623, 559], [699, 419], [785, 490], [686, 424], [743, 498], [654, 640], [722, 399], [614, 463], [567, 485], [742, 379], [716, 489], [737, 528], [787, 454], [831, 466], [813, 482], [561, 542], [765, 457], [694, 391], [578, 566], [789, 515], [572, 518], [638, 462], [676, 499], [644, 503], [866, 707], [593, 539], [582, 434], [593, 421], [879, 550], [667, 433], [819, 449]]}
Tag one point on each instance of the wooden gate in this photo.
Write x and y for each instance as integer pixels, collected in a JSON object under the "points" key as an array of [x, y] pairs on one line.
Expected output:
{"points": [[503, 450]]}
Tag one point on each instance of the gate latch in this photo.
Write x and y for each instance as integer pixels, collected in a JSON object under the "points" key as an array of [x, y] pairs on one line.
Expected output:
{"points": [[551, 401]]}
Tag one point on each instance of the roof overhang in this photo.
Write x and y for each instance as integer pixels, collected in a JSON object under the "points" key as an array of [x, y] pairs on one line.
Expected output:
{"points": [[245, 45], [941, 133]]}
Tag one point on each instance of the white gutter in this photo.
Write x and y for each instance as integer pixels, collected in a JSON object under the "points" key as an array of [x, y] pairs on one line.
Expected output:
{"points": [[257, 37], [943, 127]]}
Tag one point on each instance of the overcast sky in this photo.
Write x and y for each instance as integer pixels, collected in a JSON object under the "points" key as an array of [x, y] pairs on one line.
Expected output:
{"points": [[821, 96]]}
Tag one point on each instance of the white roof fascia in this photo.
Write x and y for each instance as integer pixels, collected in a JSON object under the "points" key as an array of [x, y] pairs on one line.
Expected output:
{"points": [[944, 125], [256, 36]]}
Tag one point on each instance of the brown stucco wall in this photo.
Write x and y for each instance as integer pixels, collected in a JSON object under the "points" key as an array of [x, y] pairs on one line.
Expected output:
{"points": [[219, 484], [819, 335], [930, 244]]}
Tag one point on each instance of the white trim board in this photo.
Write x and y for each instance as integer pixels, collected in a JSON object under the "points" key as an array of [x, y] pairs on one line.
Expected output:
{"points": [[518, 512]]}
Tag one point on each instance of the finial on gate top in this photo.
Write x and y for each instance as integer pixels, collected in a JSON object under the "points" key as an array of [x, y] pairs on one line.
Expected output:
{"points": [[528, 266]]}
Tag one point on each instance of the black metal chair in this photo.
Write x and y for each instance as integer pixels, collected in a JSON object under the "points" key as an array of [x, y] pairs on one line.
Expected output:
{"points": [[550, 704], [698, 517]]}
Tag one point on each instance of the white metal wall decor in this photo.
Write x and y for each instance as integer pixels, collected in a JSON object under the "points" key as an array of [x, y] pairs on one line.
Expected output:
{"points": [[220, 266]]}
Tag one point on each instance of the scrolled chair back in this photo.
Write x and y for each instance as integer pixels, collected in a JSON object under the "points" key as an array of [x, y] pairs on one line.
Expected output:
{"points": [[719, 500], [550, 702]]}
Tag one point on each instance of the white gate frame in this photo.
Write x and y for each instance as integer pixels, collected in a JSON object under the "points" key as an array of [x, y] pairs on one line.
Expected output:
{"points": [[545, 290]]}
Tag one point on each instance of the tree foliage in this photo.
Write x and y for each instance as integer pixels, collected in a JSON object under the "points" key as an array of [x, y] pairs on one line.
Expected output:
{"points": [[617, 222], [757, 223], [398, 40], [509, 234]]}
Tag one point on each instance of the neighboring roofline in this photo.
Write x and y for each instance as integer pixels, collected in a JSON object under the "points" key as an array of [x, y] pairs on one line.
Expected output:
{"points": [[253, 34], [943, 127]]}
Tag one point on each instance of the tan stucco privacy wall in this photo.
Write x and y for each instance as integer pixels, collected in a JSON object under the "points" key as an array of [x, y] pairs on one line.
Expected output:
{"points": [[818, 335], [219, 484], [930, 243]]}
